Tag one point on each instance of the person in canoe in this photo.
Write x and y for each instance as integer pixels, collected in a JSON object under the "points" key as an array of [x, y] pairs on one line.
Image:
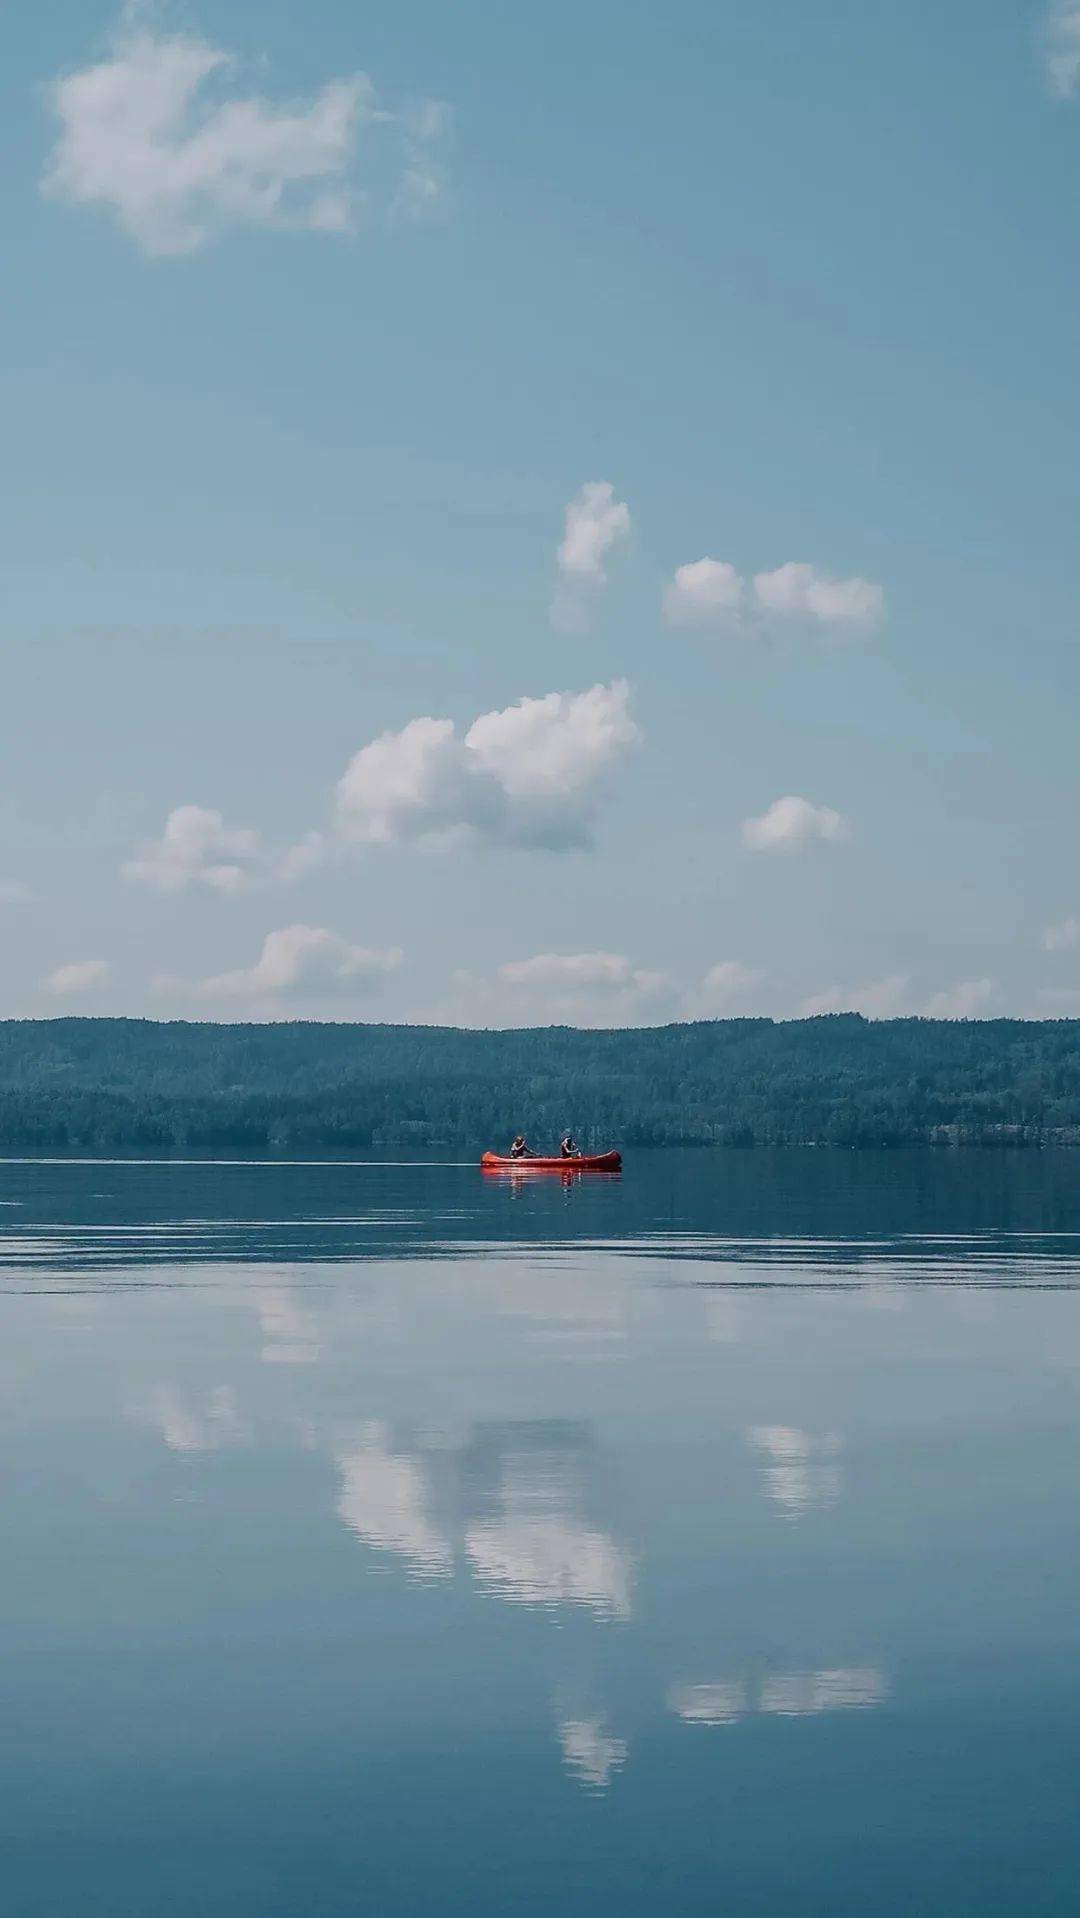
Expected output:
{"points": [[519, 1149], [570, 1148]]}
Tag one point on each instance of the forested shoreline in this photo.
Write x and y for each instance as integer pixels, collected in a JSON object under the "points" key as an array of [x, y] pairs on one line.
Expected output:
{"points": [[840, 1080]]}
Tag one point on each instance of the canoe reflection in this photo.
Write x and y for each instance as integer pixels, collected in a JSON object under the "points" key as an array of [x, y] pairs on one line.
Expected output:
{"points": [[518, 1176]]}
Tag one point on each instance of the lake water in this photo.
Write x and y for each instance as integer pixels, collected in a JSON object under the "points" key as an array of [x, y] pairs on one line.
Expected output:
{"points": [[387, 1539]]}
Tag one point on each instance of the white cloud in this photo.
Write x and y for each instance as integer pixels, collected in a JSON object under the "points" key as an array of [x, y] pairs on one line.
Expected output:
{"points": [[588, 988], [422, 187], [798, 591], [542, 748], [710, 592], [14, 893], [881, 999], [305, 959], [603, 971], [82, 975], [792, 823], [1056, 1002], [148, 134], [703, 592], [197, 848], [595, 522], [1061, 48], [729, 980], [153, 134], [297, 861], [1062, 937], [532, 774], [962, 1001]]}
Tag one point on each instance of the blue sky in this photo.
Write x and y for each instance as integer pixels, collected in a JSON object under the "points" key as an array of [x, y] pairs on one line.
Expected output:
{"points": [[334, 405]]}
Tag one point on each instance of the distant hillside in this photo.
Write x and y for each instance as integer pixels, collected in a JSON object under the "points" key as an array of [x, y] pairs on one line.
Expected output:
{"points": [[127, 1084]]}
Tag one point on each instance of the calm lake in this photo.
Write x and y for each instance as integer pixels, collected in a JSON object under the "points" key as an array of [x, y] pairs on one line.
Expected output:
{"points": [[387, 1539]]}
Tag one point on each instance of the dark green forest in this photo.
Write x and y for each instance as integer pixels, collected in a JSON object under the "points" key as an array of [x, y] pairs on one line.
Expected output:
{"points": [[103, 1085]]}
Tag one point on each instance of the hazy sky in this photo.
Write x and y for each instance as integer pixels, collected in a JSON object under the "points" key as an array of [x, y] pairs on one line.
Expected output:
{"points": [[522, 513]]}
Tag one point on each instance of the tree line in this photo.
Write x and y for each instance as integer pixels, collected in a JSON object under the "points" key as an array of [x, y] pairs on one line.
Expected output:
{"points": [[126, 1084]]}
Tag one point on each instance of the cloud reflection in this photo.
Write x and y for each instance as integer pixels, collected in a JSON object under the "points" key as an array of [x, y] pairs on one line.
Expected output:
{"points": [[512, 1513], [383, 1497], [801, 1471], [590, 1753], [800, 1694], [534, 1544], [290, 1334], [779, 1695], [550, 1561], [721, 1704], [187, 1426]]}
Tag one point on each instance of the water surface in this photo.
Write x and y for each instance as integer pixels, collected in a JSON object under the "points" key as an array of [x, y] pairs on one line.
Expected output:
{"points": [[383, 1538]]}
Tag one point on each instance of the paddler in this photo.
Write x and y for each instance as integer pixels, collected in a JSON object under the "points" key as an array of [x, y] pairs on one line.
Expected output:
{"points": [[519, 1150], [569, 1147]]}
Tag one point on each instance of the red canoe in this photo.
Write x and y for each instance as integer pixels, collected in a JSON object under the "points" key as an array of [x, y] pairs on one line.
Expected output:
{"points": [[589, 1162]]}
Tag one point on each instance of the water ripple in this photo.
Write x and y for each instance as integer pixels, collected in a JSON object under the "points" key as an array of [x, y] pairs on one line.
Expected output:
{"points": [[133, 1253]]}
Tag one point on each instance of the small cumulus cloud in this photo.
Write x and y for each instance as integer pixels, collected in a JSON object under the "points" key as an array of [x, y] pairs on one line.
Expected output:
{"points": [[791, 824], [199, 849], [881, 999], [422, 189], [578, 984], [299, 960], [603, 971], [1061, 48], [157, 135], [711, 592], [1057, 1002], [297, 861], [798, 591], [595, 523], [14, 893], [703, 593], [965, 1000], [78, 977], [728, 981], [1063, 937], [532, 774]]}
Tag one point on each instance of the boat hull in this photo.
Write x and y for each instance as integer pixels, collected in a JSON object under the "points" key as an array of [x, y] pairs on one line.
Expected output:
{"points": [[589, 1162]]}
